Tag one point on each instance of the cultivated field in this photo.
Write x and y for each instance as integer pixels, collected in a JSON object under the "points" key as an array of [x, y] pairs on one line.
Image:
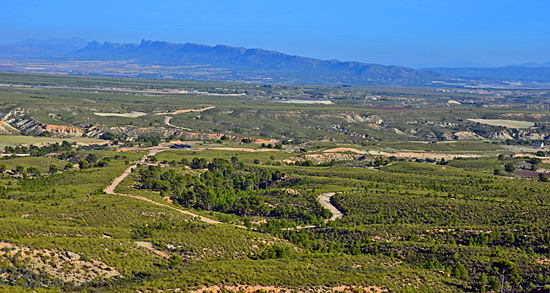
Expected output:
{"points": [[505, 123]]}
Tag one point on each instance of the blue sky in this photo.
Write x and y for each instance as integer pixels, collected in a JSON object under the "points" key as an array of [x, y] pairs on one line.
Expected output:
{"points": [[387, 32]]}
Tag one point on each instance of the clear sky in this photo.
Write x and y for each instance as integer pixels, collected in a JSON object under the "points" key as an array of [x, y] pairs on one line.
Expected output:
{"points": [[408, 32]]}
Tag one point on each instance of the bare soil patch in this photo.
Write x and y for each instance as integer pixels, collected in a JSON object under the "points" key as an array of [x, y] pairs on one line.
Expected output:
{"points": [[504, 123], [341, 150], [132, 114], [186, 111], [150, 246]]}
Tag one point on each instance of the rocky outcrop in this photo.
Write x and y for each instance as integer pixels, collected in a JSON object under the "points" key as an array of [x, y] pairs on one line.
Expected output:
{"points": [[5, 128], [325, 158], [133, 132], [18, 120], [218, 136], [462, 135], [502, 135], [62, 131]]}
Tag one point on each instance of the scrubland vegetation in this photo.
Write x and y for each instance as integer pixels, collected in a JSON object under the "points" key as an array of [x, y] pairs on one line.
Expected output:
{"points": [[423, 210]]}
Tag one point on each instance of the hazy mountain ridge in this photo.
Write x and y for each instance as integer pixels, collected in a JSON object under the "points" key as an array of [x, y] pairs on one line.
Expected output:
{"points": [[41, 48], [222, 62], [257, 61], [509, 72], [533, 64]]}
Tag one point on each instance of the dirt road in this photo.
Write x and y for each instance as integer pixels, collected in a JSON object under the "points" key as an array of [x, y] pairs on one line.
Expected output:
{"points": [[186, 111], [167, 122], [112, 187], [324, 200]]}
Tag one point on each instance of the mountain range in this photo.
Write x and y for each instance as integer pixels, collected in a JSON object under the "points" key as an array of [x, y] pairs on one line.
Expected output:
{"points": [[541, 74], [32, 49], [223, 62], [256, 62]]}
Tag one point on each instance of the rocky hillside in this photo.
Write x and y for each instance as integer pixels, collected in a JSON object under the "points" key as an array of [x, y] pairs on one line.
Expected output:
{"points": [[18, 121]]}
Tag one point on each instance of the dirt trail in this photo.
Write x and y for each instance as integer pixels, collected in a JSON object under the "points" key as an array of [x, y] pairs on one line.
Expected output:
{"points": [[186, 111], [168, 118], [112, 187], [324, 200], [167, 122]]}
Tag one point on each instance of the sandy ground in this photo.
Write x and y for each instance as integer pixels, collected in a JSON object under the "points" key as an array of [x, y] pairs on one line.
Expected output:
{"points": [[505, 123], [297, 101], [16, 155], [339, 150], [186, 111], [127, 115], [149, 245]]}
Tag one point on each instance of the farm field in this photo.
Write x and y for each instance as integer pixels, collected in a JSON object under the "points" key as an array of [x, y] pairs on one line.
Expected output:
{"points": [[241, 192], [505, 123]]}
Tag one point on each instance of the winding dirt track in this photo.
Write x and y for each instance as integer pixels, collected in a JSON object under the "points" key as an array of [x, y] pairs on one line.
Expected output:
{"points": [[168, 118], [324, 200], [112, 187], [167, 122]]}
